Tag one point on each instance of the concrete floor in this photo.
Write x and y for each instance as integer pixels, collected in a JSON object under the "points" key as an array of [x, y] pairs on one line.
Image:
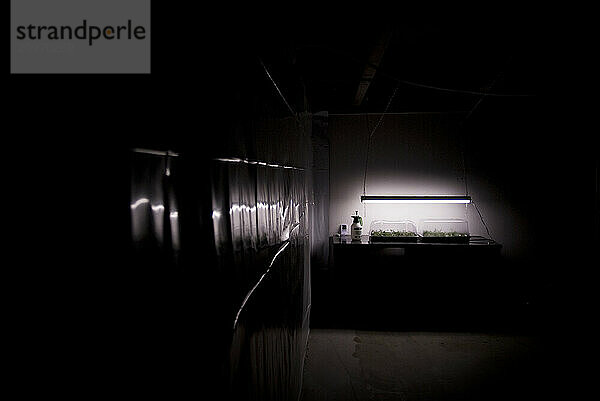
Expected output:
{"points": [[374, 365]]}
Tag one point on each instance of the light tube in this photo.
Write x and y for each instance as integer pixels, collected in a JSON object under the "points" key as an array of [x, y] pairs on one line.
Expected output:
{"points": [[415, 199]]}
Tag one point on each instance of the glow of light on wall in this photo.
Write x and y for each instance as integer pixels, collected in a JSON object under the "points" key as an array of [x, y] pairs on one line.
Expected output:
{"points": [[240, 208], [255, 162], [174, 216], [139, 202], [158, 208]]}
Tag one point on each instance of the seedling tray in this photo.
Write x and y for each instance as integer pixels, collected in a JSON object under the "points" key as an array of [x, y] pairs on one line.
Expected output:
{"points": [[394, 236], [463, 239], [375, 238]]}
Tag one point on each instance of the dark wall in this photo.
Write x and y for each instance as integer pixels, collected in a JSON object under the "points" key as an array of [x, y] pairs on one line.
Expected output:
{"points": [[413, 153], [321, 177]]}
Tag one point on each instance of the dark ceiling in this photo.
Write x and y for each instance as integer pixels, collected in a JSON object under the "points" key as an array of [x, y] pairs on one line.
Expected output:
{"points": [[435, 65]]}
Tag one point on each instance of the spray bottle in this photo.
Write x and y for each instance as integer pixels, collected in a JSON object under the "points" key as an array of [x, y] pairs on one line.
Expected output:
{"points": [[356, 228]]}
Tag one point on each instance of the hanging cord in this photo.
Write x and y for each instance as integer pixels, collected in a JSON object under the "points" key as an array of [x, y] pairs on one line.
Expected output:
{"points": [[294, 114], [469, 114], [464, 142], [371, 136], [481, 217]]}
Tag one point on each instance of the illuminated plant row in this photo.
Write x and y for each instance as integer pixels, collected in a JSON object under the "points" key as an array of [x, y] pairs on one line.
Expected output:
{"points": [[436, 233], [392, 233]]}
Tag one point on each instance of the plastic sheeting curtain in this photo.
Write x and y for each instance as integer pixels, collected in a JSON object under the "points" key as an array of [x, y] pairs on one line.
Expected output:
{"points": [[246, 249], [262, 227], [155, 231]]}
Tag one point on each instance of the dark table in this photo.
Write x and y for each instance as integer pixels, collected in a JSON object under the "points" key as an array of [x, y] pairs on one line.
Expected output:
{"points": [[412, 284], [474, 241]]}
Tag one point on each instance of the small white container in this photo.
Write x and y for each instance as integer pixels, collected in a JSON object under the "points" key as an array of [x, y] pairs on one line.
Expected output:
{"points": [[356, 227]]}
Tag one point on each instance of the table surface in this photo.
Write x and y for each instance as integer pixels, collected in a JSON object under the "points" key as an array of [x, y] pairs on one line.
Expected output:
{"points": [[474, 241]]}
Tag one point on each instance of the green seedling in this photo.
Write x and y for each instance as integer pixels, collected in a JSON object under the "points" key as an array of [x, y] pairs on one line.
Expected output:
{"points": [[436, 233], [392, 233]]}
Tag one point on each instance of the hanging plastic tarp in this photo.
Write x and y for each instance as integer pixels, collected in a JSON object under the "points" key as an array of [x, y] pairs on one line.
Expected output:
{"points": [[262, 226], [154, 213]]}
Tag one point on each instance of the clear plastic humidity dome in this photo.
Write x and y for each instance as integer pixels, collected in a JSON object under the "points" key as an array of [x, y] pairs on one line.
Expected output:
{"points": [[386, 231], [444, 230]]}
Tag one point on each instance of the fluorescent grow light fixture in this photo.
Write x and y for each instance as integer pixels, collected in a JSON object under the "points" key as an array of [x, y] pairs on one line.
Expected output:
{"points": [[414, 199]]}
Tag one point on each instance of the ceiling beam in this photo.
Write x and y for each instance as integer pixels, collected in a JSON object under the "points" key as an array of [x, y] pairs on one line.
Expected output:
{"points": [[375, 58]]}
